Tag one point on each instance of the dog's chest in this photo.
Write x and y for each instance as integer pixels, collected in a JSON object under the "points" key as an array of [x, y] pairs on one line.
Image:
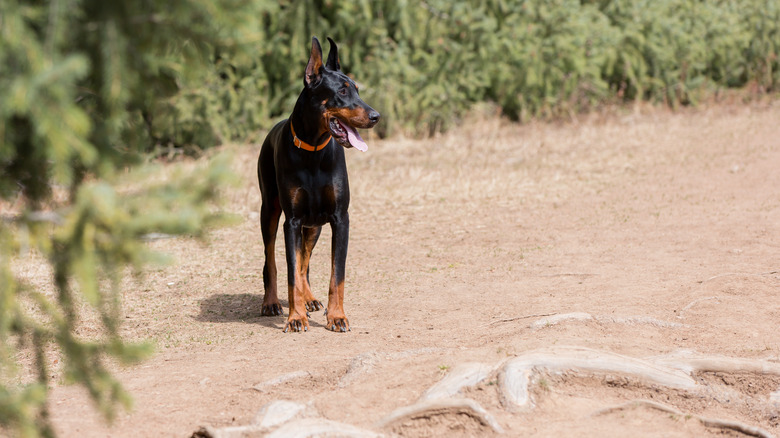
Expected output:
{"points": [[316, 200]]}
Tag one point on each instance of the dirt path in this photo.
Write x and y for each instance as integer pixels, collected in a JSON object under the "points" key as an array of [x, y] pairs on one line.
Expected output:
{"points": [[663, 228]]}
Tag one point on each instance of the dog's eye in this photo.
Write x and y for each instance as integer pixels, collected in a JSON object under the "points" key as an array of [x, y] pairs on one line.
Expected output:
{"points": [[343, 91]]}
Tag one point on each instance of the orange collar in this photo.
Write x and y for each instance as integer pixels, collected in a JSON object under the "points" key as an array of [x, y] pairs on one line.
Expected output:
{"points": [[300, 144]]}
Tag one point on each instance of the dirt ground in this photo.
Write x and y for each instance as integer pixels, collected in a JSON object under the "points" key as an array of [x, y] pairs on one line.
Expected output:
{"points": [[663, 227]]}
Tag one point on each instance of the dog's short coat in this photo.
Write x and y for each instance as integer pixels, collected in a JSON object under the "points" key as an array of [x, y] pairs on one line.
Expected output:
{"points": [[302, 172]]}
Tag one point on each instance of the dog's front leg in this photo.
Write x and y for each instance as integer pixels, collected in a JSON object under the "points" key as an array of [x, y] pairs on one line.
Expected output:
{"points": [[293, 242], [337, 320]]}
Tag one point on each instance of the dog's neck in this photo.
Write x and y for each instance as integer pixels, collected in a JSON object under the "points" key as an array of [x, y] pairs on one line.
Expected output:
{"points": [[307, 119]]}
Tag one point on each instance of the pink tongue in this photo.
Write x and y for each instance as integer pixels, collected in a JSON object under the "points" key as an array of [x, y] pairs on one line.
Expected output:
{"points": [[354, 138]]}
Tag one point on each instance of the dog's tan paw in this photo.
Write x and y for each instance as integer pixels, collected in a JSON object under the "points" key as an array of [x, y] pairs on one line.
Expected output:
{"points": [[338, 324], [296, 323]]}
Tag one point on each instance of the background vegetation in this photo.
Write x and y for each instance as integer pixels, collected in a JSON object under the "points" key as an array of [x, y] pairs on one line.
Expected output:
{"points": [[425, 63], [89, 88]]}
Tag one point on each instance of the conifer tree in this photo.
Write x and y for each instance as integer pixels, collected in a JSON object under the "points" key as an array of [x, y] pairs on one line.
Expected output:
{"points": [[81, 82]]}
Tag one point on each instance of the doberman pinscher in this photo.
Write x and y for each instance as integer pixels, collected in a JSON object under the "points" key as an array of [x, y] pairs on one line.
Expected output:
{"points": [[303, 173]]}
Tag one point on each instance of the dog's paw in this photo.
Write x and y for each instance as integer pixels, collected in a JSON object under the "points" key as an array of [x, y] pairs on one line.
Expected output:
{"points": [[274, 309], [313, 306], [338, 325], [300, 324]]}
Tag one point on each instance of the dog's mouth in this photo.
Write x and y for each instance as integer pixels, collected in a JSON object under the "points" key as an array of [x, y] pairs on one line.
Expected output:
{"points": [[346, 135]]}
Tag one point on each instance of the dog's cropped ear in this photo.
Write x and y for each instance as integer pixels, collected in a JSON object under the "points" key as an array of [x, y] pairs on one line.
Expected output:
{"points": [[314, 67], [333, 56]]}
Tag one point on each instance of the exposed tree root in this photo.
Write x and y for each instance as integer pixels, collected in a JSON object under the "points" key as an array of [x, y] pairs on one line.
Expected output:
{"points": [[634, 320], [290, 419], [271, 415], [317, 427], [228, 432], [671, 370], [558, 318], [692, 362], [427, 409], [709, 422], [301, 428], [582, 316], [515, 377], [284, 378], [513, 385], [461, 376]]}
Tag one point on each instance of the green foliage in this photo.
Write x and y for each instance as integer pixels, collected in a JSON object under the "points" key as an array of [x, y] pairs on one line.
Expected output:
{"points": [[425, 63], [549, 57], [81, 84], [762, 57]]}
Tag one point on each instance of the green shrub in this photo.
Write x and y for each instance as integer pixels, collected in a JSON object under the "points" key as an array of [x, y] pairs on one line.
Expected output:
{"points": [[761, 24], [424, 64]]}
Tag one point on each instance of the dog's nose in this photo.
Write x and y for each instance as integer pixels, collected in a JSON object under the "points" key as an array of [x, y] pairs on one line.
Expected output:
{"points": [[373, 116]]}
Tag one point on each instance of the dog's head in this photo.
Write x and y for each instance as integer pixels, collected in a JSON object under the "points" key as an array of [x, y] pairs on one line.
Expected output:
{"points": [[336, 94]]}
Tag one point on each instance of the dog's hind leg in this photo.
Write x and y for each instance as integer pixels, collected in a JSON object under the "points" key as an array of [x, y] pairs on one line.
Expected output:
{"points": [[269, 224]]}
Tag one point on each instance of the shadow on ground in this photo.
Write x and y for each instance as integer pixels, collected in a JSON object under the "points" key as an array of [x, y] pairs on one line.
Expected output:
{"points": [[237, 308], [242, 308]]}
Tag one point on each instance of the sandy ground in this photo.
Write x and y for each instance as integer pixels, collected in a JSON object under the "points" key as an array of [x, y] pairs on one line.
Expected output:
{"points": [[664, 228]]}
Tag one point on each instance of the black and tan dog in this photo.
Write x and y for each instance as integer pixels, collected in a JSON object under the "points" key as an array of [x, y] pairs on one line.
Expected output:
{"points": [[303, 173]]}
